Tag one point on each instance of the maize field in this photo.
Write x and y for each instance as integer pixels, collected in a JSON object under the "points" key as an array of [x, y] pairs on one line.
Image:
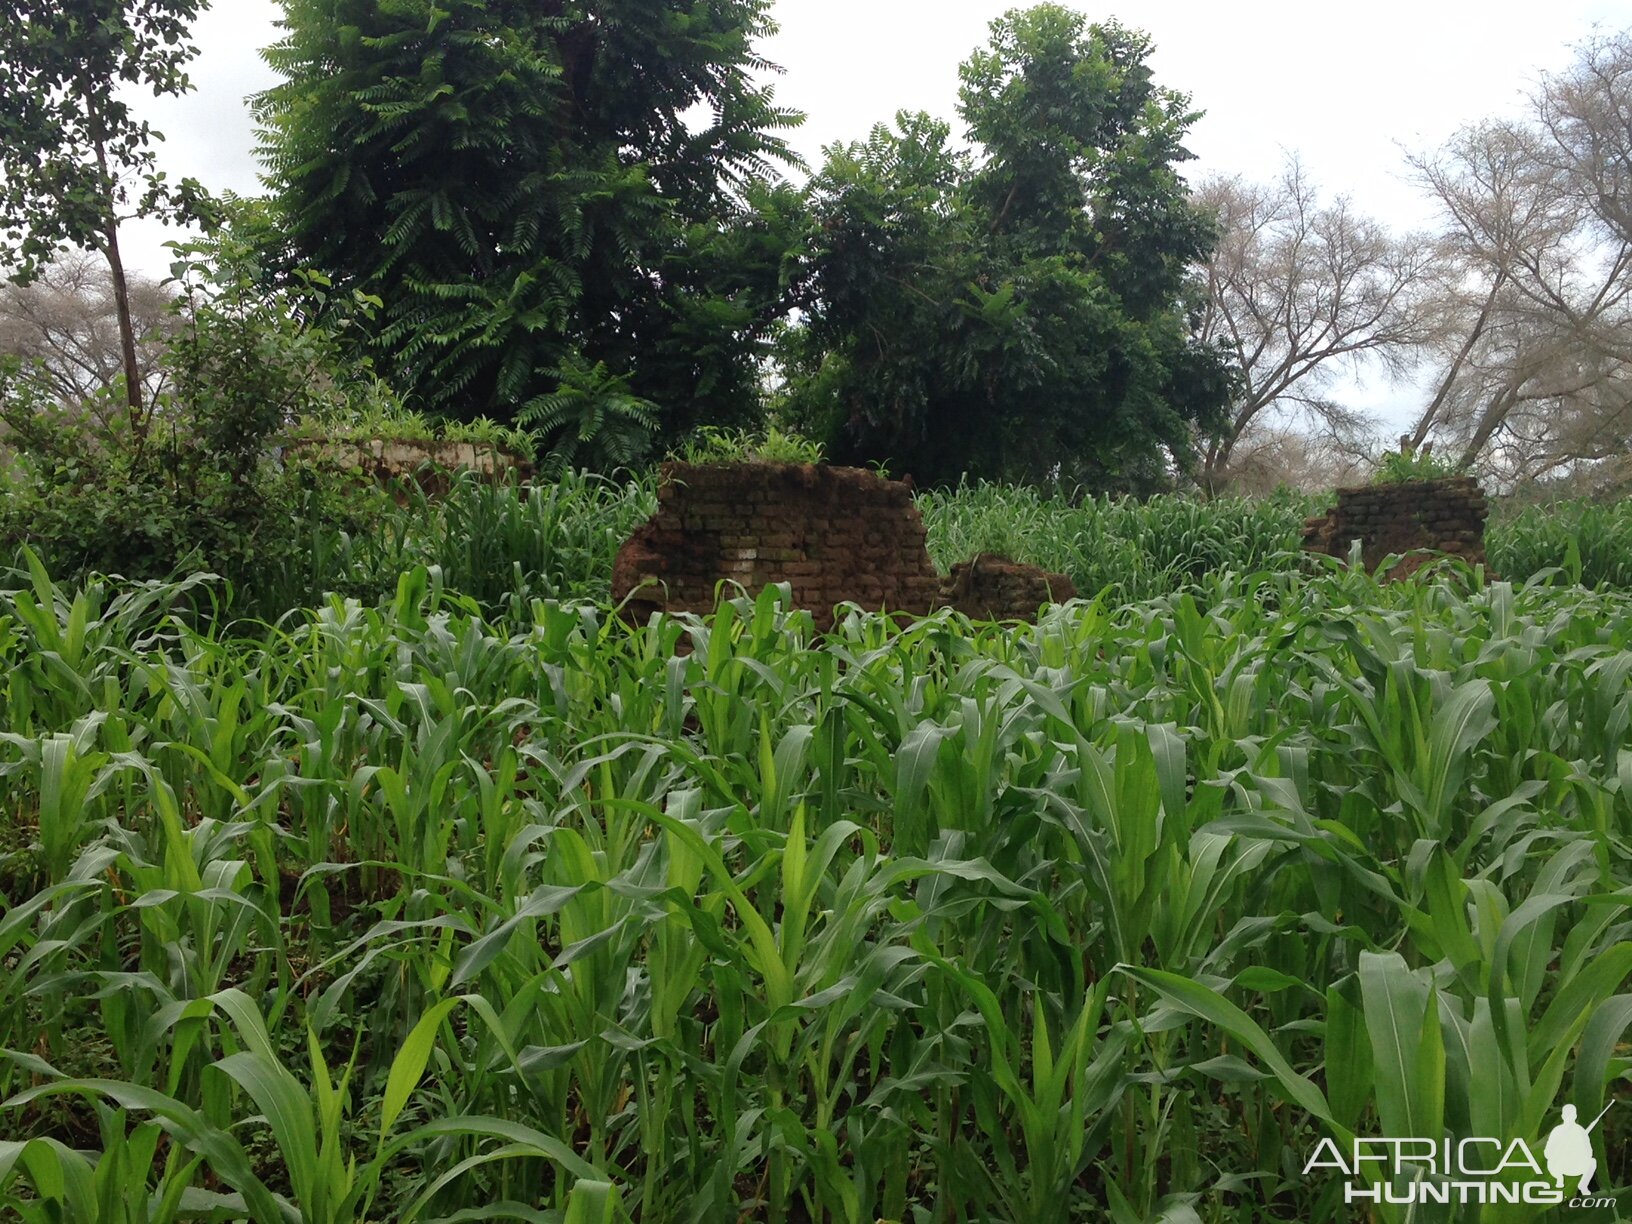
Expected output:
{"points": [[507, 544], [398, 913]]}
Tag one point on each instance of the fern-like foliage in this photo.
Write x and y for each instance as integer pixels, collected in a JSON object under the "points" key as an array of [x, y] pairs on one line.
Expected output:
{"points": [[515, 182], [592, 419]]}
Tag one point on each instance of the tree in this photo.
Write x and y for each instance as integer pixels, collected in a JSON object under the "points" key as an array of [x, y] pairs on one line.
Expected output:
{"points": [[207, 491], [1535, 361], [69, 147], [527, 188], [66, 325], [1298, 292], [1274, 455], [1022, 310], [1586, 112]]}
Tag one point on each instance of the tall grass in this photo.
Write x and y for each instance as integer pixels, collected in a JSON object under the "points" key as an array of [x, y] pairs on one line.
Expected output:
{"points": [[507, 544], [1138, 550], [502, 543], [1126, 548], [1590, 543], [404, 914]]}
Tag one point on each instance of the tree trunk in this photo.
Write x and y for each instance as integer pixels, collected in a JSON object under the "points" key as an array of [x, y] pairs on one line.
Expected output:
{"points": [[1495, 413], [1431, 413], [1209, 460], [116, 267], [1215, 469], [127, 329]]}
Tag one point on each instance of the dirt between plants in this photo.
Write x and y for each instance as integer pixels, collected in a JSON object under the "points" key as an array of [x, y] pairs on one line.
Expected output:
{"points": [[1417, 519], [833, 534]]}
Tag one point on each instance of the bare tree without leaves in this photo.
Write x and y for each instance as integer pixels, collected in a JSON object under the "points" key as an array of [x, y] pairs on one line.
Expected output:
{"points": [[1299, 292], [1272, 456], [66, 325], [1534, 356], [1587, 113]]}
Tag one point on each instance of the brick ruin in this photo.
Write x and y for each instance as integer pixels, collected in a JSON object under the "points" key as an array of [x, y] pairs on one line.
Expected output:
{"points": [[989, 587], [834, 534], [430, 464], [1416, 519]]}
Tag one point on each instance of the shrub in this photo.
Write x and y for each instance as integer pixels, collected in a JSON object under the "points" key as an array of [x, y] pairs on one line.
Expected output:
{"points": [[1395, 467], [592, 418], [200, 484], [714, 445]]}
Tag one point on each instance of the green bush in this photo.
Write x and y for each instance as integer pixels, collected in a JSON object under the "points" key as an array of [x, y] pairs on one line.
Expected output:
{"points": [[198, 483], [714, 445], [1395, 467]]}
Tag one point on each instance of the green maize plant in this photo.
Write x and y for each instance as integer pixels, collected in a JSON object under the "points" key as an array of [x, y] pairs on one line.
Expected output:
{"points": [[1128, 548], [1589, 543], [453, 901]]}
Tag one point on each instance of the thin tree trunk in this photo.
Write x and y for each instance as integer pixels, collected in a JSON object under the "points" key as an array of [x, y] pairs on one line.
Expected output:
{"points": [[116, 267], [1495, 413], [1420, 435], [127, 329], [1215, 470]]}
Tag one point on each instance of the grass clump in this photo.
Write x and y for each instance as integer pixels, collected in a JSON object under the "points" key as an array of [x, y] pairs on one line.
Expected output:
{"points": [[711, 444]]}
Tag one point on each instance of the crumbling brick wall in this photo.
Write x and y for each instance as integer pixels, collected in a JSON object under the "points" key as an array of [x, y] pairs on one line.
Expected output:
{"points": [[989, 587], [835, 535], [430, 464], [1419, 517]]}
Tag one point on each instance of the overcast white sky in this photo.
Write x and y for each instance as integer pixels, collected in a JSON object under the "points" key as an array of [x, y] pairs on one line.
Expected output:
{"points": [[1346, 86]]}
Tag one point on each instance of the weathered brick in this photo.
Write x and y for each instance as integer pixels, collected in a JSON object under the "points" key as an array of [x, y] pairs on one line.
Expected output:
{"points": [[1444, 516], [836, 535]]}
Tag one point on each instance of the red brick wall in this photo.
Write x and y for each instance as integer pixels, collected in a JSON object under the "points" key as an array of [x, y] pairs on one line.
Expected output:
{"points": [[834, 534], [1441, 516], [988, 587]]}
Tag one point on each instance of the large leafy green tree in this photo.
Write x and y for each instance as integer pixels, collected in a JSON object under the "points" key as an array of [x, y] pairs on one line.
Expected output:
{"points": [[1023, 309], [536, 188], [72, 156]]}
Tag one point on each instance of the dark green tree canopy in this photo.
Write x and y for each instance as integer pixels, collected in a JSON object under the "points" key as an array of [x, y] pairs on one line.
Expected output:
{"points": [[1021, 310], [536, 187]]}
